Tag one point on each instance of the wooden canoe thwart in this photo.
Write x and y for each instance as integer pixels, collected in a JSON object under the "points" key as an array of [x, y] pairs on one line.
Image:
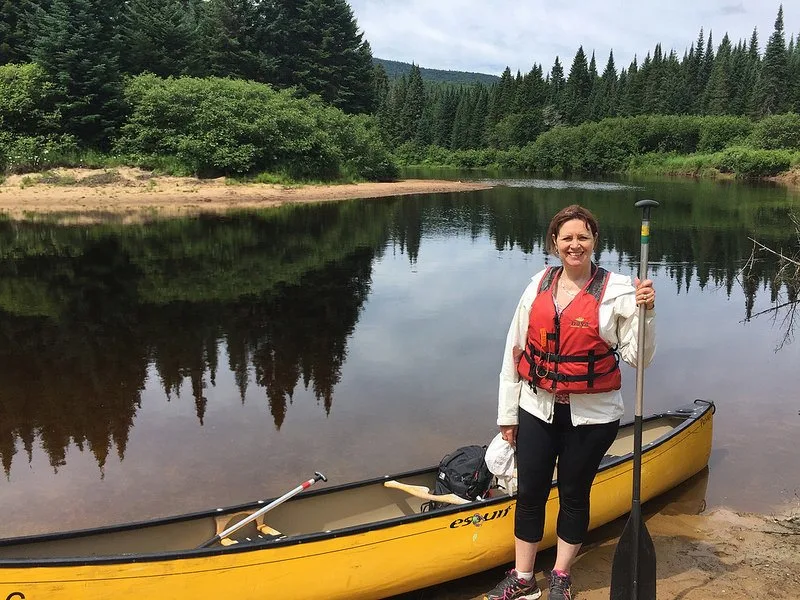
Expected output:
{"points": [[346, 534]]}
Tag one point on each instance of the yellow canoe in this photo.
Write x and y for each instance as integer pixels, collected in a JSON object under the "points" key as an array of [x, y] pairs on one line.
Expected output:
{"points": [[360, 541]]}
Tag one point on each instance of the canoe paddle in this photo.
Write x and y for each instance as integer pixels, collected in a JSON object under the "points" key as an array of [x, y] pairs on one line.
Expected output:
{"points": [[633, 572], [236, 526]]}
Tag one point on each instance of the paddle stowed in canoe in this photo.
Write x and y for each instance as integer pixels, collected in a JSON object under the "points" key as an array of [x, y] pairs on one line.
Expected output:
{"points": [[347, 532]]}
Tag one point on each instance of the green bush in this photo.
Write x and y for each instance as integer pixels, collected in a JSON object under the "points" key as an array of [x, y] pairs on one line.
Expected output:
{"points": [[27, 101], [408, 154], [517, 129], [25, 154], [437, 155], [747, 162], [217, 126], [469, 159], [607, 150], [717, 133], [558, 150], [664, 133], [363, 152], [777, 132]]}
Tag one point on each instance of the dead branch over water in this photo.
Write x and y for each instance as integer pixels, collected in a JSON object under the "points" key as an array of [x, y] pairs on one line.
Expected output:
{"points": [[787, 275]]}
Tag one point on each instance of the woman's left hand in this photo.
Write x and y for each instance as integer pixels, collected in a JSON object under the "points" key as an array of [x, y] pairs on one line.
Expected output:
{"points": [[645, 294]]}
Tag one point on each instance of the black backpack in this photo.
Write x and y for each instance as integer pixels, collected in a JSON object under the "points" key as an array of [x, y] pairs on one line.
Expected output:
{"points": [[463, 473]]}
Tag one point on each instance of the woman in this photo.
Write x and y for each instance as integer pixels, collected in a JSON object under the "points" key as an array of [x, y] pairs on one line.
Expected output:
{"points": [[560, 393]]}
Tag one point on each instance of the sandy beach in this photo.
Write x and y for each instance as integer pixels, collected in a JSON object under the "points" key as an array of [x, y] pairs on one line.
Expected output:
{"points": [[715, 554], [133, 194], [720, 554]]}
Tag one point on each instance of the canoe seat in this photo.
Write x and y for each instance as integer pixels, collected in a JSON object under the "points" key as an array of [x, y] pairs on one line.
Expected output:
{"points": [[265, 533], [252, 532]]}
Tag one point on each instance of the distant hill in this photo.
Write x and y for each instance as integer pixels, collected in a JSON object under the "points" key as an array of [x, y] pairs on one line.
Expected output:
{"points": [[395, 69]]}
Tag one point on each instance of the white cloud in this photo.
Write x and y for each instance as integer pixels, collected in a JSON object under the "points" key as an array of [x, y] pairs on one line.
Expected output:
{"points": [[472, 35]]}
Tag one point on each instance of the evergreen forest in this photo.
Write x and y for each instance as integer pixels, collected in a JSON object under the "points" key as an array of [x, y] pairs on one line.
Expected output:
{"points": [[290, 88]]}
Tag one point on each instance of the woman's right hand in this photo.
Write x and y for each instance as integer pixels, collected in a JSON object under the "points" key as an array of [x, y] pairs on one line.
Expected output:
{"points": [[509, 433]]}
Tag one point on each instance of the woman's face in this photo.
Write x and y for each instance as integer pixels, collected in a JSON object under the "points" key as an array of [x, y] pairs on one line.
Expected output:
{"points": [[575, 243]]}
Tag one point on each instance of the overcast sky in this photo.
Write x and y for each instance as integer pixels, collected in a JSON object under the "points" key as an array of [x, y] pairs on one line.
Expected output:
{"points": [[487, 35]]}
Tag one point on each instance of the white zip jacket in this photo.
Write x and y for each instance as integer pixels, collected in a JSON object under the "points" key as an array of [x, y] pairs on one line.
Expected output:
{"points": [[619, 322]]}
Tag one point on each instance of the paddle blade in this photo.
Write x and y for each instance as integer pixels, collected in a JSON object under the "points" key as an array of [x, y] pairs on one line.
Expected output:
{"points": [[628, 554]]}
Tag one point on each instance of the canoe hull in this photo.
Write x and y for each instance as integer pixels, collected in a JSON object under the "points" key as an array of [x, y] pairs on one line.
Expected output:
{"points": [[418, 552]]}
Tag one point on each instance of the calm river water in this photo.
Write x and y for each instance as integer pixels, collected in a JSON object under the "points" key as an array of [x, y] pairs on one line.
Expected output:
{"points": [[156, 369]]}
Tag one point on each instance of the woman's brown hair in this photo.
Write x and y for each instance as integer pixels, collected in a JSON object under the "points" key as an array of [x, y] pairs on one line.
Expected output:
{"points": [[574, 211]]}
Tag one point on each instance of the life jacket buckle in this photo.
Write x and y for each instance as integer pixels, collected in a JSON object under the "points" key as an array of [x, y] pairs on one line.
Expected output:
{"points": [[542, 371]]}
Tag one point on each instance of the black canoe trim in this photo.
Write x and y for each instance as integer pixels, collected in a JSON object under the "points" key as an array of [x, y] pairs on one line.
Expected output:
{"points": [[690, 414]]}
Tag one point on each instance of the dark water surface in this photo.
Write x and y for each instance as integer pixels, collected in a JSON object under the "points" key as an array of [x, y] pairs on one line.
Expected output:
{"points": [[155, 369]]}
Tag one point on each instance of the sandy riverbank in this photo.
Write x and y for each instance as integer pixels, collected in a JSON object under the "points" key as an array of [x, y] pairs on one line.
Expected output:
{"points": [[133, 194], [711, 556], [722, 554]]}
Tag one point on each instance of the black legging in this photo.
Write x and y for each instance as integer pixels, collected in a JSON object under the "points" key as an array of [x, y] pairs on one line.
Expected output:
{"points": [[579, 450]]}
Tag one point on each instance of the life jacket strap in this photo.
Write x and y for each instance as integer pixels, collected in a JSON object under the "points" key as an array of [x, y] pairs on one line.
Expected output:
{"points": [[589, 378], [578, 358], [591, 359]]}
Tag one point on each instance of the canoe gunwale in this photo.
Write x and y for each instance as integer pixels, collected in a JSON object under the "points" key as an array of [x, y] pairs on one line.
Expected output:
{"points": [[690, 415]]}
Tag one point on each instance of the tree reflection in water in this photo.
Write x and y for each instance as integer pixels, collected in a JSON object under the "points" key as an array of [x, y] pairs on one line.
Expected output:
{"points": [[79, 326], [86, 313]]}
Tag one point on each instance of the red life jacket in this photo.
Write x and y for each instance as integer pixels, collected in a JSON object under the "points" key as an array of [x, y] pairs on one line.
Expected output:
{"points": [[566, 353]]}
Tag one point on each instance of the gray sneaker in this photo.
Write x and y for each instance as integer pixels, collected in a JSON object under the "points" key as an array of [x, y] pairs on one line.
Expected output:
{"points": [[560, 587], [514, 588]]}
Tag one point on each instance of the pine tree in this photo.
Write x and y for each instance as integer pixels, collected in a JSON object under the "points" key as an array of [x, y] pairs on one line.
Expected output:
{"points": [[78, 47], [653, 76], [159, 36], [604, 101], [621, 107], [318, 49], [505, 93], [426, 126], [463, 121], [632, 101], [413, 106], [708, 63], [10, 35], [395, 102], [445, 118], [380, 85], [774, 78], [557, 85], [540, 87], [595, 90], [717, 100], [737, 81], [694, 73], [577, 90], [794, 76], [383, 95], [524, 98], [675, 98], [231, 37], [477, 137], [753, 75], [17, 26], [752, 49], [501, 99]]}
